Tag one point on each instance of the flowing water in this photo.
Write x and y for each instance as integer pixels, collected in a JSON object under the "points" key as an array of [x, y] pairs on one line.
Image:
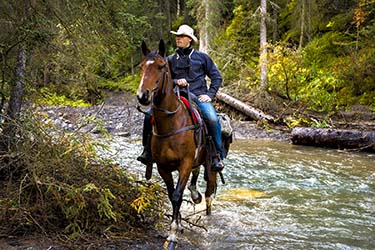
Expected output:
{"points": [[283, 196]]}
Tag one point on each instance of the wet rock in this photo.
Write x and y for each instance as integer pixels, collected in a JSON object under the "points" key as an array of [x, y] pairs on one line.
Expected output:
{"points": [[116, 120]]}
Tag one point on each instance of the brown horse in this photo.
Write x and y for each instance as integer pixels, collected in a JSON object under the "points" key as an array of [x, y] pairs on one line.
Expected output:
{"points": [[173, 146]]}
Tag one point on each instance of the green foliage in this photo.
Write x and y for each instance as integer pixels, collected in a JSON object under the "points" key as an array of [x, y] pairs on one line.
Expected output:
{"points": [[286, 73], [81, 47], [291, 78], [52, 180], [357, 73], [323, 51], [372, 106], [238, 45], [72, 46], [296, 120], [320, 93], [327, 74], [54, 99], [299, 120], [127, 83], [320, 124]]}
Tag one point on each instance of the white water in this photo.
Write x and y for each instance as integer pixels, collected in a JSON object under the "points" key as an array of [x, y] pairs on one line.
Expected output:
{"points": [[313, 198]]}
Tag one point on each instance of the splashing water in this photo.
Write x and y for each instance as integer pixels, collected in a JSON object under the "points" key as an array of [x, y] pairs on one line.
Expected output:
{"points": [[282, 196]]}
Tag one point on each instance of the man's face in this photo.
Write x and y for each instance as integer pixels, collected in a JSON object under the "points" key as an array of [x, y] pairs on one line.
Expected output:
{"points": [[183, 41]]}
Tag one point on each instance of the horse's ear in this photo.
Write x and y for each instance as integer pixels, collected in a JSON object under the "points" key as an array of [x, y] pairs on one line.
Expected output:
{"points": [[145, 50], [162, 48]]}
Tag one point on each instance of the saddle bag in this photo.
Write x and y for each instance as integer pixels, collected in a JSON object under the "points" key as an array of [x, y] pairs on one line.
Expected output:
{"points": [[226, 127]]}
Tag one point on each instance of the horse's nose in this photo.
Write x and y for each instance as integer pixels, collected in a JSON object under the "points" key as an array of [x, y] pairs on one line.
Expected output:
{"points": [[143, 98]]}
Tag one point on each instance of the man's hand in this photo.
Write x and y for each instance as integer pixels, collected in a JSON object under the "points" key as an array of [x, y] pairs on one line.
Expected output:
{"points": [[204, 98], [182, 82]]}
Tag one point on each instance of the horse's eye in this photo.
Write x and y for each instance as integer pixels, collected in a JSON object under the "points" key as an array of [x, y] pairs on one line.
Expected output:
{"points": [[161, 66]]}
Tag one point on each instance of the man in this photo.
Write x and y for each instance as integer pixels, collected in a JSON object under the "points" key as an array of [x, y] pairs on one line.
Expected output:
{"points": [[190, 67]]}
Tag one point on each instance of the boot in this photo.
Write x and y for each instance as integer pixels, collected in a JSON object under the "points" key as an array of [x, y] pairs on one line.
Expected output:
{"points": [[145, 157], [217, 163]]}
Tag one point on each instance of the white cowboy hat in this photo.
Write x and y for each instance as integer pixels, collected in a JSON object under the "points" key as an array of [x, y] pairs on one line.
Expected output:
{"points": [[187, 31]]}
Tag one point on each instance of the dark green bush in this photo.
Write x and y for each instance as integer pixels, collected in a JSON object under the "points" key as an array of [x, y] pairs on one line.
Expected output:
{"points": [[53, 180]]}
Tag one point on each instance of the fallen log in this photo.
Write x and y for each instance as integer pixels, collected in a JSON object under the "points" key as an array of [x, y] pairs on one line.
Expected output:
{"points": [[252, 112], [334, 138]]}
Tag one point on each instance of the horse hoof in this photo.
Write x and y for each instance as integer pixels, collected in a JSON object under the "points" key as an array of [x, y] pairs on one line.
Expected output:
{"points": [[169, 245], [197, 199], [195, 195], [208, 211]]}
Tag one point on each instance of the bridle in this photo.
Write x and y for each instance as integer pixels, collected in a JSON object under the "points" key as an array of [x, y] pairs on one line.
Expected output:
{"points": [[162, 81]]}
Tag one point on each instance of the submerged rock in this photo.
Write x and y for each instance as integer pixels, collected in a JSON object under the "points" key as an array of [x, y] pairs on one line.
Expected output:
{"points": [[241, 194]]}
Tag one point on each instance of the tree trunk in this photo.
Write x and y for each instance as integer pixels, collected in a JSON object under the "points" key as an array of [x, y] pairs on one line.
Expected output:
{"points": [[203, 33], [169, 17], [334, 138], [275, 31], [263, 46], [302, 25], [309, 25], [15, 102], [252, 112], [18, 88]]}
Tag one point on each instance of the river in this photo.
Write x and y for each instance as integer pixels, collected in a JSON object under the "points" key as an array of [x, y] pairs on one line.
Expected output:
{"points": [[282, 196]]}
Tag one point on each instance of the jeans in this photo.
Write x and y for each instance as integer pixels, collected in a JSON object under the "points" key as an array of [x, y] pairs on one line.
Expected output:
{"points": [[213, 124]]}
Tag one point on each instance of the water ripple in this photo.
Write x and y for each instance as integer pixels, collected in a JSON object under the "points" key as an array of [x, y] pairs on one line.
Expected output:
{"points": [[314, 198]]}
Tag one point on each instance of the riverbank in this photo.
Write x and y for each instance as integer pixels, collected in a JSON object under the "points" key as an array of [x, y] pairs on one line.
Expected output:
{"points": [[119, 115]]}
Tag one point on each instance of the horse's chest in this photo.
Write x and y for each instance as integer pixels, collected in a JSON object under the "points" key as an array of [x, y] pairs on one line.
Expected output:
{"points": [[171, 151]]}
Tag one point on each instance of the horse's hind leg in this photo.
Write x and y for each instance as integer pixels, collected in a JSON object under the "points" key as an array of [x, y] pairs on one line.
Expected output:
{"points": [[194, 193], [210, 188]]}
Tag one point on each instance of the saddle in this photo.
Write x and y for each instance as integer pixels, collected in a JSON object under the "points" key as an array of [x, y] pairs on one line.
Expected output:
{"points": [[201, 132], [200, 129]]}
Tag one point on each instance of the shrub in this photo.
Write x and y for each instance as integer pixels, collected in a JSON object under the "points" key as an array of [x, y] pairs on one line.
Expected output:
{"points": [[52, 180], [286, 73], [320, 93], [48, 97], [357, 74], [127, 83]]}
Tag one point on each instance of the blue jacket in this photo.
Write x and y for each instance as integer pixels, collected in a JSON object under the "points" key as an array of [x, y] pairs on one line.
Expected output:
{"points": [[194, 66]]}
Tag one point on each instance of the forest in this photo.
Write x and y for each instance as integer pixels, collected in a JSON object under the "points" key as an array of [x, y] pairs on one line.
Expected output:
{"points": [[320, 54], [283, 56]]}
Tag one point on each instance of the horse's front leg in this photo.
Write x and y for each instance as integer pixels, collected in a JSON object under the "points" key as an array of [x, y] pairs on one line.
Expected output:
{"points": [[184, 174], [176, 199], [194, 193], [168, 180]]}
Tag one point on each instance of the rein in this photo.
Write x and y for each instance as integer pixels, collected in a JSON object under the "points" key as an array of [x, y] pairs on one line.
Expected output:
{"points": [[173, 132], [166, 111], [165, 79]]}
